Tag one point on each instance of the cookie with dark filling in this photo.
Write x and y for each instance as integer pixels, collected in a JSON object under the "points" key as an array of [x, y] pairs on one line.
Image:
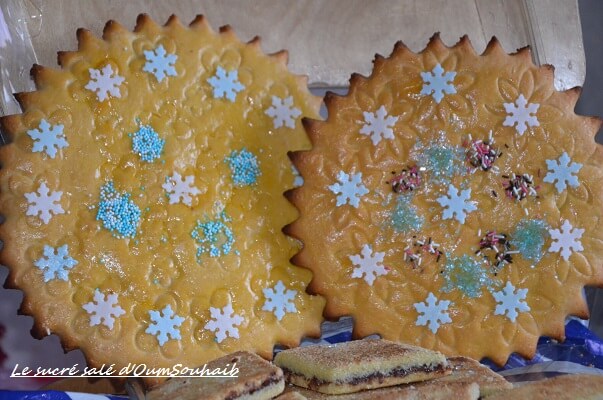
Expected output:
{"points": [[467, 370], [566, 387], [443, 391], [359, 365], [257, 379]]}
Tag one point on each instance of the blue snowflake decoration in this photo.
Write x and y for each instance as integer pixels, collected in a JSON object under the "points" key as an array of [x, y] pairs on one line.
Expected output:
{"points": [[165, 323], [405, 217], [213, 236], [349, 189], [55, 263], [562, 171], [119, 214], [244, 167], [529, 238], [437, 83], [48, 138], [465, 274], [456, 205], [225, 84], [160, 63], [147, 143]]}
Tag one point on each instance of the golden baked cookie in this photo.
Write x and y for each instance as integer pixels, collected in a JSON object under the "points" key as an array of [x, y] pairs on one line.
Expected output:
{"points": [[466, 370], [452, 201], [358, 365], [564, 387], [428, 390], [256, 379], [143, 194]]}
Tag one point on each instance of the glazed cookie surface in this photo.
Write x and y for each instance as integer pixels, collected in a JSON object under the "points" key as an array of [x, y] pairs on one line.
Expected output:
{"points": [[452, 201], [143, 195]]}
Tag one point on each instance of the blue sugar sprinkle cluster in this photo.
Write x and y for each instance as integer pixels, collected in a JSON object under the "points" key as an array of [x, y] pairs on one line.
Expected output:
{"points": [[405, 217], [147, 143], [529, 238], [244, 167], [441, 159], [119, 214], [213, 236], [467, 275]]}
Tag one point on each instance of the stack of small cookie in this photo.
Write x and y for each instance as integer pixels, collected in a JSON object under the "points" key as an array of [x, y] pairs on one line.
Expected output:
{"points": [[380, 369], [361, 369]]}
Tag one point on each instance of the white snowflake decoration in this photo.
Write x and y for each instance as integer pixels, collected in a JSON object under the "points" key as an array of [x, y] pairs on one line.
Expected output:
{"points": [[298, 180], [561, 171], [48, 138], [349, 189], [180, 189], [566, 240], [378, 125], [160, 63], [282, 112], [456, 205], [42, 203], [225, 84], [223, 322], [437, 82], [520, 113], [103, 309], [510, 302], [55, 263], [368, 265], [104, 82], [279, 300], [164, 323], [433, 313]]}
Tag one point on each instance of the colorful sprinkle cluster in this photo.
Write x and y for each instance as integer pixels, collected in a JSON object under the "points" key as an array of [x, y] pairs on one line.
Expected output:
{"points": [[213, 236], [407, 180], [519, 187], [119, 214], [482, 153], [501, 246], [244, 167], [147, 143], [415, 253]]}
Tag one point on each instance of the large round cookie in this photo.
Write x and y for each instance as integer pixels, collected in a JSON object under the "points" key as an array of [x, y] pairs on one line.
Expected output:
{"points": [[453, 201], [143, 194]]}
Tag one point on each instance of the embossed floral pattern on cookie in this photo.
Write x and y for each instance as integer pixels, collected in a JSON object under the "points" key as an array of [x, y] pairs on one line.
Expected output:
{"points": [[467, 223], [144, 197]]}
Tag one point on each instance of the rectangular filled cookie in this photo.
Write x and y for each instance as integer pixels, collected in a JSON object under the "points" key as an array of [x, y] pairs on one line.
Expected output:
{"points": [[359, 365], [258, 379]]}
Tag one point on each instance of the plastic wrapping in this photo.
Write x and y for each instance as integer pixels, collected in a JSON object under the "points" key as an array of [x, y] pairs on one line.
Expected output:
{"points": [[18, 19]]}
